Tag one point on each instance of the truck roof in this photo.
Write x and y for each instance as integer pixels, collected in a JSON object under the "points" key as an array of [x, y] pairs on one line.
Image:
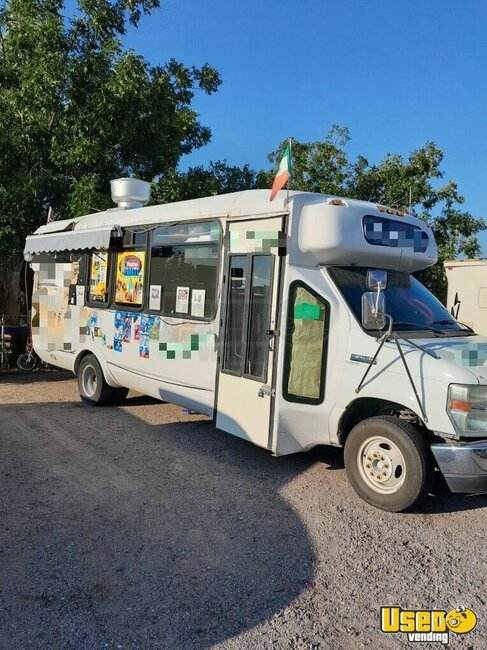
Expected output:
{"points": [[253, 203]]}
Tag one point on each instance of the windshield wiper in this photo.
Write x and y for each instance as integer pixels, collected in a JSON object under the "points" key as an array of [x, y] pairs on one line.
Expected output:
{"points": [[453, 322], [418, 326]]}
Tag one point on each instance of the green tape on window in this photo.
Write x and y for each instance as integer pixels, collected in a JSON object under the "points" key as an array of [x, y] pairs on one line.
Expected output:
{"points": [[306, 311]]}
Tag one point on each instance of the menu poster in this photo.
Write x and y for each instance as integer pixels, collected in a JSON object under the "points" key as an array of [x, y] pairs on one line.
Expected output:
{"points": [[74, 272], [198, 302], [98, 276], [130, 277], [80, 295], [182, 300], [155, 297]]}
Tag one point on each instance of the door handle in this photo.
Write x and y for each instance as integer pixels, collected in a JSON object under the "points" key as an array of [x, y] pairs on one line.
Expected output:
{"points": [[272, 335], [266, 391]]}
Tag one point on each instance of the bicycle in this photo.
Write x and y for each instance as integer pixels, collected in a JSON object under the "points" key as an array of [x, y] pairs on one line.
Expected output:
{"points": [[29, 360]]}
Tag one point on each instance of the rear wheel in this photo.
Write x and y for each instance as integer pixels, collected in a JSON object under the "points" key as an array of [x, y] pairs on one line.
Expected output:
{"points": [[93, 388], [388, 463]]}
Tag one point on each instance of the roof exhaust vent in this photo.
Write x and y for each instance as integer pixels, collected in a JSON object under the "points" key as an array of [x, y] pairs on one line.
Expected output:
{"points": [[130, 192]]}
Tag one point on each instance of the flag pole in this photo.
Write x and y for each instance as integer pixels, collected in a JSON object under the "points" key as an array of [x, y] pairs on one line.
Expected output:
{"points": [[290, 170], [283, 173]]}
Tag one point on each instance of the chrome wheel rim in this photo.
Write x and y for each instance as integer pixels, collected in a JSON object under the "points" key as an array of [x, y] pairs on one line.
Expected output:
{"points": [[89, 381], [381, 465]]}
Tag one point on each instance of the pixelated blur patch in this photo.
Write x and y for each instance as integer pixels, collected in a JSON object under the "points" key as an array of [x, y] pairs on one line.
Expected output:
{"points": [[305, 311], [388, 232], [469, 354], [258, 241], [55, 324], [184, 349]]}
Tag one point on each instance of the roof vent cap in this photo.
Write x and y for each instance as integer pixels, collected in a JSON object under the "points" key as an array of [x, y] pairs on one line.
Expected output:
{"points": [[130, 192]]}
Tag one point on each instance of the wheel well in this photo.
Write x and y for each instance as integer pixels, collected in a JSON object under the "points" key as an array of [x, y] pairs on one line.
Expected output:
{"points": [[79, 359], [367, 407]]}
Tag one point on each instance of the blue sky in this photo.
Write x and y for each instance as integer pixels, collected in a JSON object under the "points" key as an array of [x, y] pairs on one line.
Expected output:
{"points": [[397, 73]]}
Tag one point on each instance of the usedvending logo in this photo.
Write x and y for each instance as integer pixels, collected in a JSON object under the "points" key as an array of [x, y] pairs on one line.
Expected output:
{"points": [[427, 625]]}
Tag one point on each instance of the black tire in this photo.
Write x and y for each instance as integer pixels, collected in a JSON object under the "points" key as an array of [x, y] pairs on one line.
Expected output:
{"points": [[93, 388], [27, 362], [388, 463]]}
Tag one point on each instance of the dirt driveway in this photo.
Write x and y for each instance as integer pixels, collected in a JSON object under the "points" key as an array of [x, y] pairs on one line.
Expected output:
{"points": [[142, 527]]}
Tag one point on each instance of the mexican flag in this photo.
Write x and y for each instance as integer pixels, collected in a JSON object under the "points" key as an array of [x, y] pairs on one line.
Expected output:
{"points": [[283, 173]]}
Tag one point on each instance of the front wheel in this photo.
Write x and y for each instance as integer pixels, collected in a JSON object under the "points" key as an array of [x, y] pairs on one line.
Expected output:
{"points": [[27, 362], [388, 463]]}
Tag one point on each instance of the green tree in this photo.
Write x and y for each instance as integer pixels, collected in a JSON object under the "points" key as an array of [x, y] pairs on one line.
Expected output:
{"points": [[197, 182], [320, 166], [77, 110], [414, 183]]}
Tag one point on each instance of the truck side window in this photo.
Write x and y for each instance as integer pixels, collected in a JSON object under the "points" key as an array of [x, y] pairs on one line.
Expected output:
{"points": [[184, 263], [306, 345]]}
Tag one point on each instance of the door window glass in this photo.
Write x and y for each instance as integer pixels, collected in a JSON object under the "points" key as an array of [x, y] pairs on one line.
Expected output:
{"points": [[306, 345], [260, 313], [237, 282]]}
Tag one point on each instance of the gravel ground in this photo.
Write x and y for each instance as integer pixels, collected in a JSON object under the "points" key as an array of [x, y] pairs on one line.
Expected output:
{"points": [[141, 527]]}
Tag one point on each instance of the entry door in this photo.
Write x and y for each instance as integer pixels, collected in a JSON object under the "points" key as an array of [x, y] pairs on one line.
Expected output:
{"points": [[245, 391]]}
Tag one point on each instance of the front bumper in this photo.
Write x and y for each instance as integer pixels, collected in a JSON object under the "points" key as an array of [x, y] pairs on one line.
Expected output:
{"points": [[464, 465]]}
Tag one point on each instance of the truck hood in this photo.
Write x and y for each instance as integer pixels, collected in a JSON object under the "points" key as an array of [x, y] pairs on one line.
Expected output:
{"points": [[468, 353]]}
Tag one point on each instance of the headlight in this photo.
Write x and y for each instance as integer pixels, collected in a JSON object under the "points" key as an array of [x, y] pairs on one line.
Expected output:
{"points": [[467, 408]]}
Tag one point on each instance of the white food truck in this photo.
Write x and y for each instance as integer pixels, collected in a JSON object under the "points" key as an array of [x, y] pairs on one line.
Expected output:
{"points": [[293, 324]]}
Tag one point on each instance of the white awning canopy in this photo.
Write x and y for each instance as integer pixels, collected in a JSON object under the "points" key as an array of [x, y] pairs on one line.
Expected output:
{"points": [[69, 240]]}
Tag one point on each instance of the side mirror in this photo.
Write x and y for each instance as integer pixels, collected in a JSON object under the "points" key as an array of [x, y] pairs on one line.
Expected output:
{"points": [[376, 280], [373, 311]]}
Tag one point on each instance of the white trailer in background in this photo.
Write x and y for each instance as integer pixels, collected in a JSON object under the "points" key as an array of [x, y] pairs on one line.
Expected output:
{"points": [[292, 324], [467, 292]]}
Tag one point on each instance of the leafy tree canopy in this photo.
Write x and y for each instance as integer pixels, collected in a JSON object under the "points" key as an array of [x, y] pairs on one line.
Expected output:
{"points": [[197, 182], [415, 182], [77, 110]]}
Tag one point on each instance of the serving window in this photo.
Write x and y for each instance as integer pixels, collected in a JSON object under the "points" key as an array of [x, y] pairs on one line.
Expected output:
{"points": [[184, 262]]}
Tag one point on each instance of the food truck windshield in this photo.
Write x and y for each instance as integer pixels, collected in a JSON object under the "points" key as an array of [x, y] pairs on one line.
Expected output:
{"points": [[409, 303]]}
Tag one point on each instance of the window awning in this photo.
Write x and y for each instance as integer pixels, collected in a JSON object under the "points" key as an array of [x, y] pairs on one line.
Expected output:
{"points": [[69, 240]]}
